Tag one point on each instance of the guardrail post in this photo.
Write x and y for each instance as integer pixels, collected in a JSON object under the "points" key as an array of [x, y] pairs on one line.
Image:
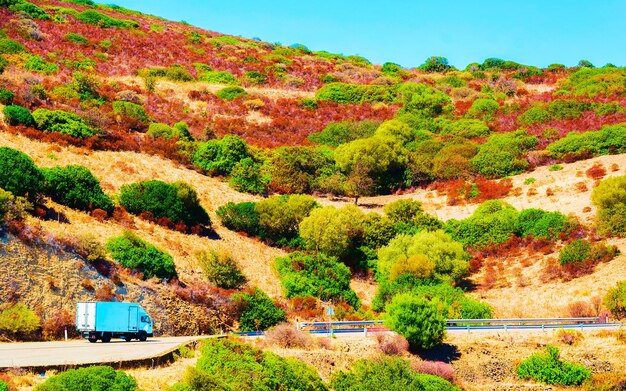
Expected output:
{"points": [[468, 328], [543, 327], [506, 328], [365, 331]]}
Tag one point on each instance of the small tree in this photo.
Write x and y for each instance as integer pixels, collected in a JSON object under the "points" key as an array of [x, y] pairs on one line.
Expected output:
{"points": [[332, 231], [90, 378], [18, 173], [436, 64], [18, 115], [610, 198], [548, 368], [417, 319], [615, 300]]}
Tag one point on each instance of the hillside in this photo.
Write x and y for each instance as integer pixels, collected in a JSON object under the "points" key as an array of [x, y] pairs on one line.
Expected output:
{"points": [[227, 183]]}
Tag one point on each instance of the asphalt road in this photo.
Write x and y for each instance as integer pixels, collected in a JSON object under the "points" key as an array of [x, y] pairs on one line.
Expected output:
{"points": [[76, 352]]}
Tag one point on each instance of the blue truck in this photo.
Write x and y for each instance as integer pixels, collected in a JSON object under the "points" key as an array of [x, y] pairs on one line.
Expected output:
{"points": [[103, 320]]}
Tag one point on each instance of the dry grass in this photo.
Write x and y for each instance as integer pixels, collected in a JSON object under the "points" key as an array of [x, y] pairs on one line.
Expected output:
{"points": [[118, 168]]}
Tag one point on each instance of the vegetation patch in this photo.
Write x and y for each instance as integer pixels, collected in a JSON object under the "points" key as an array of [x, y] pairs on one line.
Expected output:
{"points": [[257, 311], [63, 122], [135, 253], [76, 187], [548, 368], [96, 377]]}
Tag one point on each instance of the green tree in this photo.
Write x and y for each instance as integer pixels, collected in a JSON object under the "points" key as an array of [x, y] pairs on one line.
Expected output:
{"points": [[280, 216], [615, 300], [295, 170], [218, 157], [417, 319], [76, 187], [246, 177], [435, 64], [316, 275], [447, 255], [19, 174], [502, 154], [332, 231], [257, 311], [610, 198], [241, 217], [384, 161], [135, 253], [337, 133]]}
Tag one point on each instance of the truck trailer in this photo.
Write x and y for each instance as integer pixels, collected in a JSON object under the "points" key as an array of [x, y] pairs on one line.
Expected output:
{"points": [[102, 320]]}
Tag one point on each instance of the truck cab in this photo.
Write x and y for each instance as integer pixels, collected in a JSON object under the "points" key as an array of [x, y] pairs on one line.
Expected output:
{"points": [[105, 320]]}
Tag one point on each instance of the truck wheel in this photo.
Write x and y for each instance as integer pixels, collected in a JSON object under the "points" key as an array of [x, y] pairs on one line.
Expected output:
{"points": [[128, 337], [92, 340], [143, 336], [106, 337]]}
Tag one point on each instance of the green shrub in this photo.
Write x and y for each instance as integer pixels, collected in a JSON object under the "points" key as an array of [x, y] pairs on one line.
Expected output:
{"points": [[89, 378], [555, 167], [389, 374], [567, 109], [548, 368], [18, 115], [337, 133], [258, 311], [534, 115], [159, 130], [541, 224], [231, 93], [30, 9], [467, 128], [101, 20], [246, 177], [588, 82], [218, 77], [615, 300], [610, 198], [354, 93], [135, 253], [9, 46], [3, 386], [422, 100], [132, 110], [220, 269], [255, 78], [299, 169], [19, 174], [241, 217], [502, 154], [316, 275], [197, 380], [483, 109], [3, 64], [576, 251], [493, 222], [453, 302], [12, 207], [218, 157], [63, 122], [76, 38], [178, 73], [6, 97], [611, 139], [176, 201], [308, 103], [76, 187], [417, 319], [243, 367], [18, 321]]}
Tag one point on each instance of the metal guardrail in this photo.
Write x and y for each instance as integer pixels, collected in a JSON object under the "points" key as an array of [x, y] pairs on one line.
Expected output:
{"points": [[528, 320]]}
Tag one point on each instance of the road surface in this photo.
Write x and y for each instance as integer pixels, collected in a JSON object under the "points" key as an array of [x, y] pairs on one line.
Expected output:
{"points": [[81, 352]]}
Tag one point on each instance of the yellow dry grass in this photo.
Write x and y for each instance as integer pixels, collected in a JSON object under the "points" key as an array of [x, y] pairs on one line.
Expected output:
{"points": [[118, 168]]}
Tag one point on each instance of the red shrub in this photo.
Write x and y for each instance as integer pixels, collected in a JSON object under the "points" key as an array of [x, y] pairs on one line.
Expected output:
{"points": [[393, 345], [597, 171], [437, 368]]}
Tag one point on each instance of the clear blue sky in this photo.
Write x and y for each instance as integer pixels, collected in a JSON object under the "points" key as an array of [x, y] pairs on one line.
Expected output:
{"points": [[534, 32]]}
